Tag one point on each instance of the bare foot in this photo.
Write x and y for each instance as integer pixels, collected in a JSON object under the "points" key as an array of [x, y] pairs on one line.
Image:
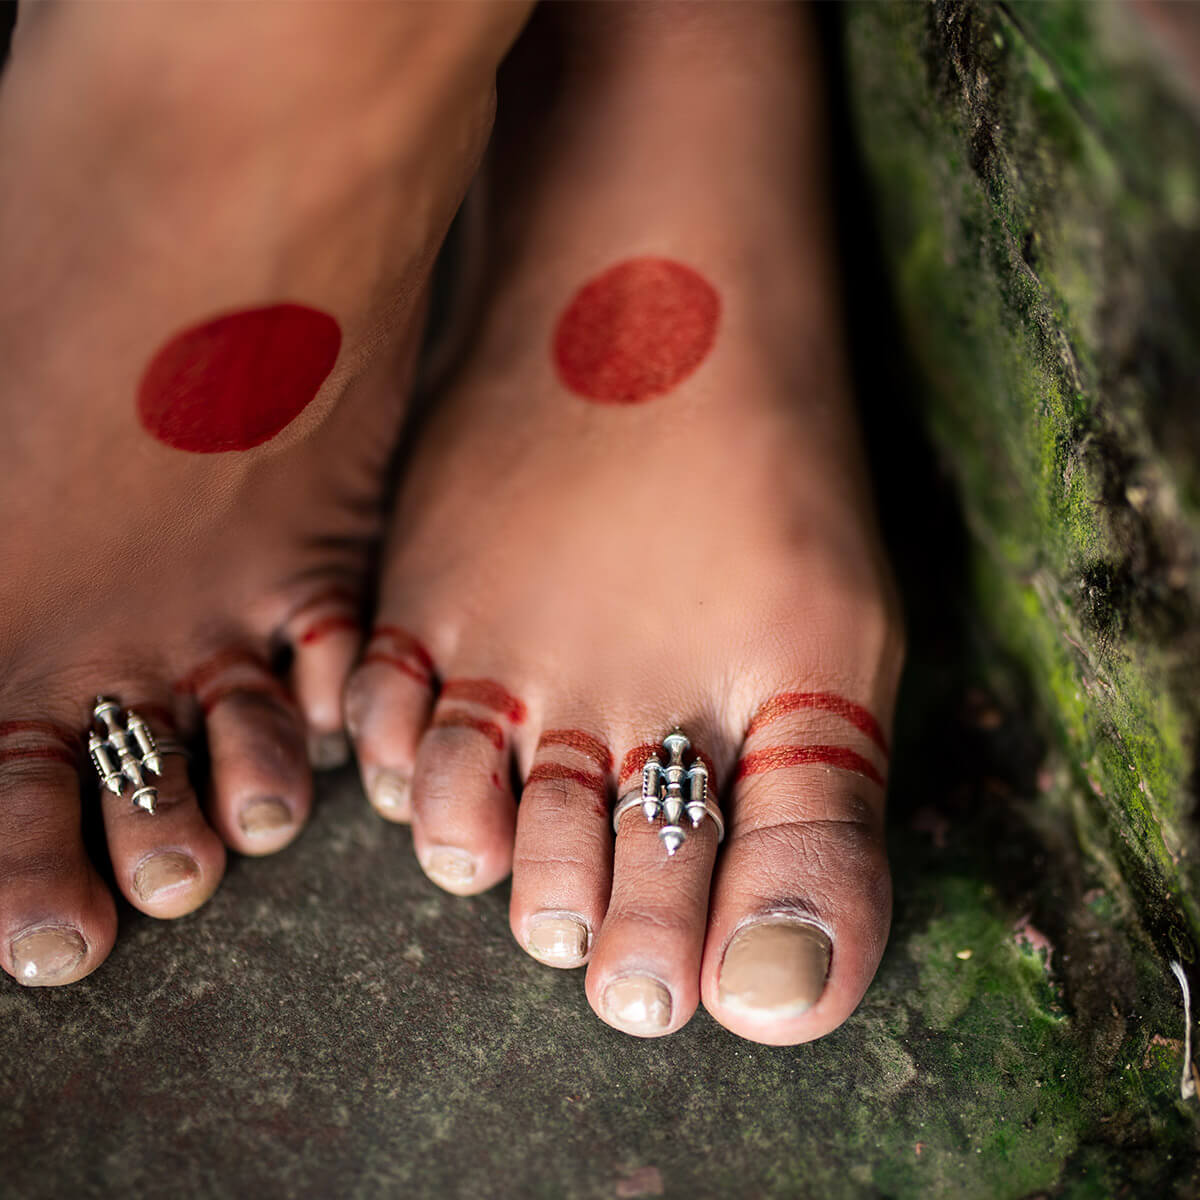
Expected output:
{"points": [[212, 268], [644, 505]]}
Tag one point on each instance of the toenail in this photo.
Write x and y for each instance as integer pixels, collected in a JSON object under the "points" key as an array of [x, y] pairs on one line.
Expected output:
{"points": [[774, 968], [46, 955], [268, 815], [390, 793], [328, 750], [161, 872], [558, 939], [637, 1004], [450, 867]]}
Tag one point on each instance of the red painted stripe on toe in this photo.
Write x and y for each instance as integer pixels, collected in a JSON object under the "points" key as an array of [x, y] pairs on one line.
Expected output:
{"points": [[378, 658], [404, 642], [324, 626], [47, 728], [462, 720], [790, 702], [576, 739], [57, 754], [212, 668], [635, 760], [488, 693], [269, 688], [779, 757], [550, 772]]}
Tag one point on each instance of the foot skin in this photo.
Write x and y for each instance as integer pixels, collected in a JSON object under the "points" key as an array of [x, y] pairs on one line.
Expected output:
{"points": [[210, 295], [643, 505]]}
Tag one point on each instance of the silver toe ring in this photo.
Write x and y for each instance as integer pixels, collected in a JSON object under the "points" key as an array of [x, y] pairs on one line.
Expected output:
{"points": [[670, 792], [123, 750]]}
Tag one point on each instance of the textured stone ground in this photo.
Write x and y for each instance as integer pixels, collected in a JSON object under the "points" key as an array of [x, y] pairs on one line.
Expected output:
{"points": [[330, 1025]]}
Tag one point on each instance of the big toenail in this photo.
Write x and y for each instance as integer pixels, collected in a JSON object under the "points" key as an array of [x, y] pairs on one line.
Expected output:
{"points": [[558, 939], [328, 750], [450, 867], [390, 793], [637, 1004], [47, 955], [267, 815], [775, 968], [161, 872]]}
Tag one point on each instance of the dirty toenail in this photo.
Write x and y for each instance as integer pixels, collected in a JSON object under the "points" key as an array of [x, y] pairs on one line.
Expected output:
{"points": [[774, 968], [328, 750], [449, 866], [637, 1004], [558, 939], [390, 793], [162, 872], [46, 955], [264, 816]]}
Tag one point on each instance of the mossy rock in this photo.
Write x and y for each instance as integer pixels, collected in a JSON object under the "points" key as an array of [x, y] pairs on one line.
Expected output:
{"points": [[1038, 188]]}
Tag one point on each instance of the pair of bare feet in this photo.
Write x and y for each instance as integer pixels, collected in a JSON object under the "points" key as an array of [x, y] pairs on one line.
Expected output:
{"points": [[640, 504]]}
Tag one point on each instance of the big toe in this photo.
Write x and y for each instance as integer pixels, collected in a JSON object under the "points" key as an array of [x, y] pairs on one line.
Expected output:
{"points": [[801, 900]]}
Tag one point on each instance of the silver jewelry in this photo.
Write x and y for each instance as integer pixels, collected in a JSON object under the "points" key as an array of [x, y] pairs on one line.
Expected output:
{"points": [[669, 791], [128, 739]]}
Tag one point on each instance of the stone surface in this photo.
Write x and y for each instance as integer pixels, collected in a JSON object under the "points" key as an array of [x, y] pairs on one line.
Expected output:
{"points": [[332, 1025]]}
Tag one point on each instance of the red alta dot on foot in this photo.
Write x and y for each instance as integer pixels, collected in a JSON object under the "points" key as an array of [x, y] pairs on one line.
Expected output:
{"points": [[237, 380], [636, 331]]}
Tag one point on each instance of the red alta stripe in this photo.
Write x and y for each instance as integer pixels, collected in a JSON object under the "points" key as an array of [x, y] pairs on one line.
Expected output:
{"points": [[791, 702], [59, 754], [635, 760], [261, 686], [324, 626], [554, 772], [47, 728], [397, 664], [798, 756], [403, 642], [576, 739], [487, 693], [462, 720], [212, 668]]}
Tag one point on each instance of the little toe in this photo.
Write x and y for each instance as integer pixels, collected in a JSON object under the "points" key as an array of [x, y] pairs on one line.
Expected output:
{"points": [[387, 707], [261, 789], [464, 814], [57, 919], [802, 896], [644, 972], [325, 637], [169, 862], [562, 860]]}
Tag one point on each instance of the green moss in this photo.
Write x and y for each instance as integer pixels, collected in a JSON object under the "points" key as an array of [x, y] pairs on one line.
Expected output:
{"points": [[1007, 275]]}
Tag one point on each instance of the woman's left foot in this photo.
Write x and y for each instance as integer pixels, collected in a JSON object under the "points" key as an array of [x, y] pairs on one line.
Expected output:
{"points": [[644, 507]]}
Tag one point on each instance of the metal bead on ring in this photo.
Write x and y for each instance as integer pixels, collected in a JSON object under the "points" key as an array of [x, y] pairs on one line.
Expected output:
{"points": [[670, 791], [124, 753]]}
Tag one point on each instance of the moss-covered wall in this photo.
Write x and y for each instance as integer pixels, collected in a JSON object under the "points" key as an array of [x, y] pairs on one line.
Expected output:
{"points": [[1037, 184]]}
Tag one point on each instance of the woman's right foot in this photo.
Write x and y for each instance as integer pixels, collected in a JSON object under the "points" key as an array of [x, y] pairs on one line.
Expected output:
{"points": [[644, 505], [213, 262]]}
